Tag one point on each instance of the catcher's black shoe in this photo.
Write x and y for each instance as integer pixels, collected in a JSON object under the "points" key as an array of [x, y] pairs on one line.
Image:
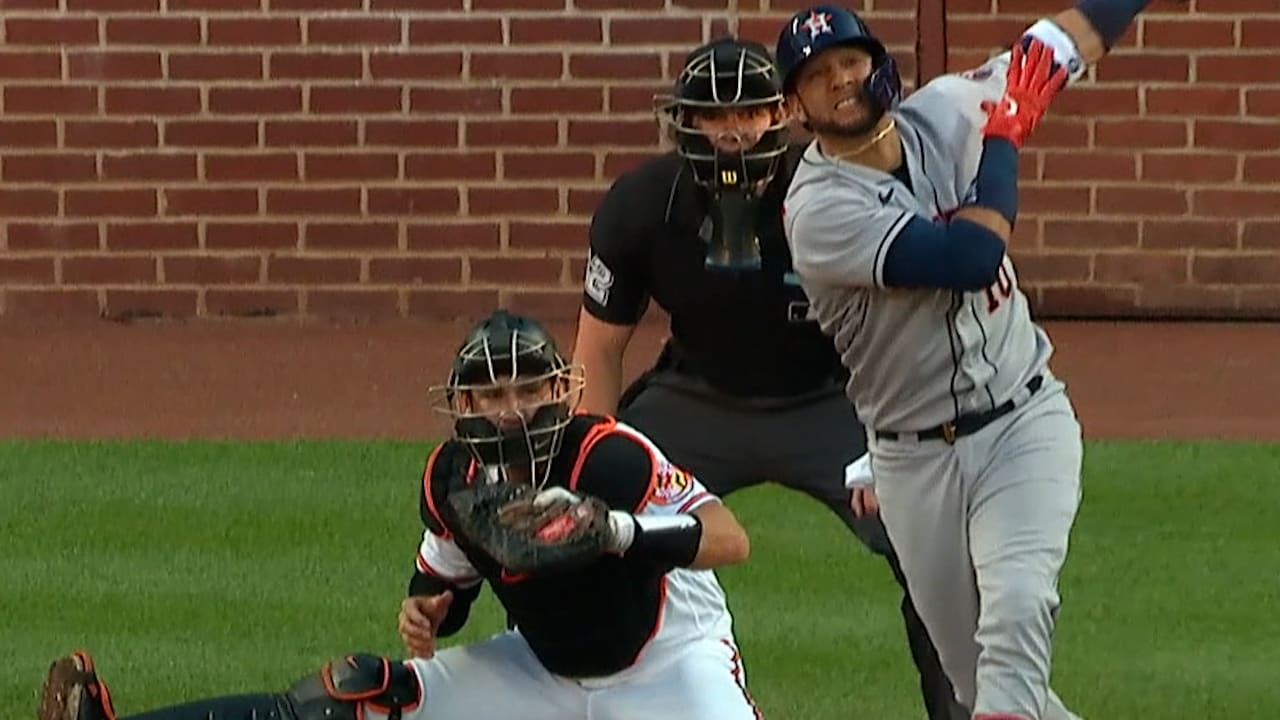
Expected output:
{"points": [[72, 691]]}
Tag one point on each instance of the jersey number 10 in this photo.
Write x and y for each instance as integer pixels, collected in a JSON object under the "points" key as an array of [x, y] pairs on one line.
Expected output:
{"points": [[1000, 290]]}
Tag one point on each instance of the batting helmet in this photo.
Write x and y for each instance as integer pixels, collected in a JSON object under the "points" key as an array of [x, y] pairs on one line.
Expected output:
{"points": [[811, 31], [726, 73], [510, 353]]}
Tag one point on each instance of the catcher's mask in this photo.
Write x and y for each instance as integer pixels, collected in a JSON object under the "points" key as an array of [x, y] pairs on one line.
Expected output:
{"points": [[729, 78], [510, 394]]}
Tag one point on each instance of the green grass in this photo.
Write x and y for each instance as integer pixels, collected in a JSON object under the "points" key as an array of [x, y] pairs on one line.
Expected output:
{"points": [[206, 568]]}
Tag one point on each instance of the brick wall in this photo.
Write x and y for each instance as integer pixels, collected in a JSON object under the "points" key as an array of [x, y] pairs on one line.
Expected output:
{"points": [[435, 157]]}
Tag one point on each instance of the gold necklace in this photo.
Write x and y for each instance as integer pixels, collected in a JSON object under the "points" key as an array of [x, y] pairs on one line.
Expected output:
{"points": [[868, 144]]}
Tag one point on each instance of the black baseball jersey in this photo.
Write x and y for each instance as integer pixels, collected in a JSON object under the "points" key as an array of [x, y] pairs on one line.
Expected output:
{"points": [[596, 620], [745, 333]]}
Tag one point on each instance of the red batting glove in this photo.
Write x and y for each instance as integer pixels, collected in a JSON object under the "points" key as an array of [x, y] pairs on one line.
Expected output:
{"points": [[1030, 85]]}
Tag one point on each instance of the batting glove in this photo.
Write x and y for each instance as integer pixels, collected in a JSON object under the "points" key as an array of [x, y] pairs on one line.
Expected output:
{"points": [[1032, 81]]}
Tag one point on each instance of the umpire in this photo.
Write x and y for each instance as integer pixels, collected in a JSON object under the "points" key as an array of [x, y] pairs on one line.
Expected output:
{"points": [[746, 389]]}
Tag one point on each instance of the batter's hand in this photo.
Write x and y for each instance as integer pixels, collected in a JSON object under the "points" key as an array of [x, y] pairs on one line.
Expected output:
{"points": [[420, 615], [1031, 83], [863, 501]]}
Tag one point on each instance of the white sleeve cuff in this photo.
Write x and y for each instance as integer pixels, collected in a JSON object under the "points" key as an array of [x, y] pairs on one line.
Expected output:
{"points": [[1064, 48]]}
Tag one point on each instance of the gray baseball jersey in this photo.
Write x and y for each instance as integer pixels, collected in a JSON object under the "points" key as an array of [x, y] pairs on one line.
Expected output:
{"points": [[918, 358]]}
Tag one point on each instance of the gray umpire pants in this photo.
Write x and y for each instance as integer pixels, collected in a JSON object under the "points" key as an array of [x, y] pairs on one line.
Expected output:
{"points": [[731, 444]]}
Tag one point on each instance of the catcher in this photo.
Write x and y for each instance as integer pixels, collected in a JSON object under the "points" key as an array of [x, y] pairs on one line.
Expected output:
{"points": [[599, 549]]}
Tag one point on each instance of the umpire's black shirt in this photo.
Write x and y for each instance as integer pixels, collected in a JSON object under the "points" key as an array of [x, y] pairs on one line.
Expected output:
{"points": [[744, 334]]}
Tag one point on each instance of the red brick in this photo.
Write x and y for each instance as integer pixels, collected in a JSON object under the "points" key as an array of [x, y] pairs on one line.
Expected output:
{"points": [[490, 133], [353, 30], [215, 66], [584, 201], [1259, 32], [465, 165], [113, 5], [1189, 233], [1237, 268], [455, 100], [28, 202], [353, 303], [555, 235], [1186, 300], [1068, 200], [617, 163], [205, 201], [1257, 234], [452, 304], [152, 31], [30, 133], [509, 270], [549, 165], [1237, 68], [1058, 267], [647, 32], [255, 100], [100, 134], [354, 100], [1092, 101], [152, 100], [214, 5], [1056, 133], [244, 235], [485, 65], [1141, 267], [106, 269], [556, 100], [415, 66], [1088, 301], [524, 5], [258, 31], [48, 304], [55, 31], [1085, 233], [315, 65], [302, 133], [153, 235], [212, 269], [124, 304], [1262, 102], [211, 133], [26, 270], [1133, 133], [149, 166], [560, 31], [351, 235], [548, 306], [412, 200], [1090, 166], [511, 200], [250, 303], [50, 100], [1128, 200], [615, 66], [1161, 68], [625, 133], [49, 167], [114, 65], [411, 133], [1236, 203], [251, 166], [109, 202], [453, 236], [1183, 33], [630, 99], [466, 31], [349, 166], [313, 201], [1188, 167], [1227, 135], [315, 4], [415, 270], [30, 66], [312, 270], [1262, 169], [1205, 100], [53, 236]]}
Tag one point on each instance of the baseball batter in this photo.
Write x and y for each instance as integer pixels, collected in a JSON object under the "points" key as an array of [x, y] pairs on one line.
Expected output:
{"points": [[898, 218]]}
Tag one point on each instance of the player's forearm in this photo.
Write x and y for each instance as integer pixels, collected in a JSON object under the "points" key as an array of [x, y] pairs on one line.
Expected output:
{"points": [[1096, 25], [723, 541]]}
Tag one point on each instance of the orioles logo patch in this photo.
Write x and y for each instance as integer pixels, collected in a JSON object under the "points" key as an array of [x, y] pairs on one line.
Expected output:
{"points": [[672, 485]]}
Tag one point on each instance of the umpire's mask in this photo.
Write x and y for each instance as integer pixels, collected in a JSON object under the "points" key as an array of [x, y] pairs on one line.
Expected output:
{"points": [[725, 116]]}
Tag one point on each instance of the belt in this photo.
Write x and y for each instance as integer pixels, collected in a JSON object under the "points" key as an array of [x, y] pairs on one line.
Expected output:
{"points": [[966, 424]]}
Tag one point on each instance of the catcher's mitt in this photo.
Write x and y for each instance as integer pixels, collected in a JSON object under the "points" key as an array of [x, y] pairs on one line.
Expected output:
{"points": [[529, 530]]}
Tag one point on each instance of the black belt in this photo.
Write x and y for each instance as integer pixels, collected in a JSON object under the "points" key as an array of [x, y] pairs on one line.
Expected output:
{"points": [[967, 424]]}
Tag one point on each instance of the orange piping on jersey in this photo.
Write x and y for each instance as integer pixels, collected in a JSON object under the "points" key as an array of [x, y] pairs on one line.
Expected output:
{"points": [[471, 471], [426, 491], [657, 622], [737, 677], [689, 503], [593, 436], [511, 578], [426, 569]]}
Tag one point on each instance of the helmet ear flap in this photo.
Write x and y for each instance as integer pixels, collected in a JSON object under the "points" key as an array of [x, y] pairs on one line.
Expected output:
{"points": [[884, 85]]}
